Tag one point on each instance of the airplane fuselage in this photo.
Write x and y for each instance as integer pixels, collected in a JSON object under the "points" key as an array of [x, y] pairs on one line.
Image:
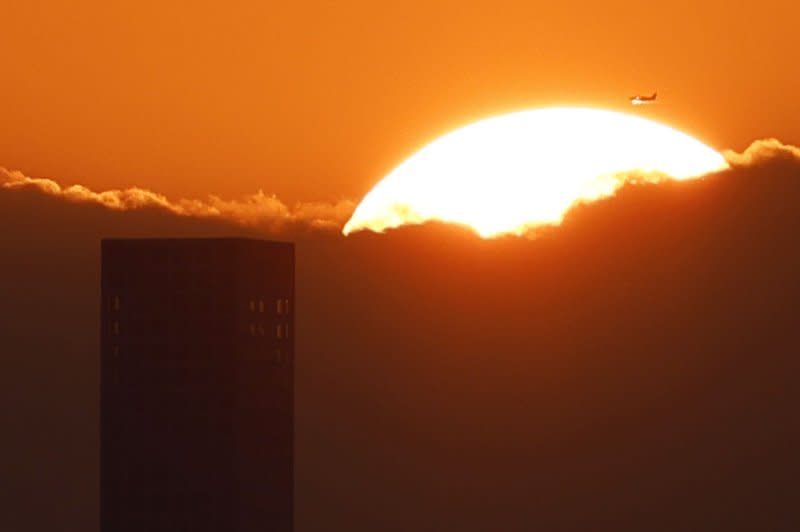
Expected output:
{"points": [[641, 100]]}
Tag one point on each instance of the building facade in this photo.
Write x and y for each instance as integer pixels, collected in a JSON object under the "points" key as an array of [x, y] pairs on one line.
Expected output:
{"points": [[197, 385]]}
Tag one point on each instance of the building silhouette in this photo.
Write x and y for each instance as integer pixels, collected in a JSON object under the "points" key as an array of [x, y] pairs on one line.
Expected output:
{"points": [[197, 372]]}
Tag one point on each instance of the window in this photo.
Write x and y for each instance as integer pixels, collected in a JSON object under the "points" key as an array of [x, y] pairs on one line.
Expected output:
{"points": [[286, 305], [252, 306], [252, 329], [115, 328], [279, 306], [261, 305], [286, 330], [279, 331], [115, 351], [116, 303]]}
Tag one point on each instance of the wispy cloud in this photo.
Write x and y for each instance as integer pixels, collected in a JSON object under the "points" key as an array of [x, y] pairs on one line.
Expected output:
{"points": [[257, 209], [267, 211], [761, 151]]}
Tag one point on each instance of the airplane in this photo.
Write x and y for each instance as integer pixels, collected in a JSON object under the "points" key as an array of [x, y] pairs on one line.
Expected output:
{"points": [[643, 99]]}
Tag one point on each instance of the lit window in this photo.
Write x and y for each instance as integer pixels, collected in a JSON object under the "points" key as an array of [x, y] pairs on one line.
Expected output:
{"points": [[279, 331], [252, 306], [116, 303], [279, 306], [261, 306]]}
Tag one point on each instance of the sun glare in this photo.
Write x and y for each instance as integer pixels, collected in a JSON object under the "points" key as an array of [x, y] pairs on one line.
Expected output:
{"points": [[514, 172]]}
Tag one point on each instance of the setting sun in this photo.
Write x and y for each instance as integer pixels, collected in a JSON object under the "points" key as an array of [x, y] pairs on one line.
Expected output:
{"points": [[513, 172]]}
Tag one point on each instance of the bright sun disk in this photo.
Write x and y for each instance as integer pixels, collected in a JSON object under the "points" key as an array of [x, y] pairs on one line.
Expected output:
{"points": [[517, 171]]}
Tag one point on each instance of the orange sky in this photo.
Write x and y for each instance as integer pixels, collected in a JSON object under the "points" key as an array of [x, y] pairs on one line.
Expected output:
{"points": [[318, 100]]}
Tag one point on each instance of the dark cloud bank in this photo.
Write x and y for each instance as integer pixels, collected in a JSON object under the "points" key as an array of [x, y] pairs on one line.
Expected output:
{"points": [[634, 369]]}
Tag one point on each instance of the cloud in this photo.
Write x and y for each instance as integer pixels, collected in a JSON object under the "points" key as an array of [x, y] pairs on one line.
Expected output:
{"points": [[601, 366], [762, 151], [260, 210], [255, 210]]}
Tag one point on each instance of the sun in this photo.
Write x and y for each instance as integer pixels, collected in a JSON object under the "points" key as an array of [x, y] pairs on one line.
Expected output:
{"points": [[513, 172]]}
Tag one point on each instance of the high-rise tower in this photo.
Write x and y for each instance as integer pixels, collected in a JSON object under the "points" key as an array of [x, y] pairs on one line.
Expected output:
{"points": [[197, 372]]}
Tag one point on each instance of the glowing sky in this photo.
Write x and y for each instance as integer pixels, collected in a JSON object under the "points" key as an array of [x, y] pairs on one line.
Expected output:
{"points": [[319, 100]]}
